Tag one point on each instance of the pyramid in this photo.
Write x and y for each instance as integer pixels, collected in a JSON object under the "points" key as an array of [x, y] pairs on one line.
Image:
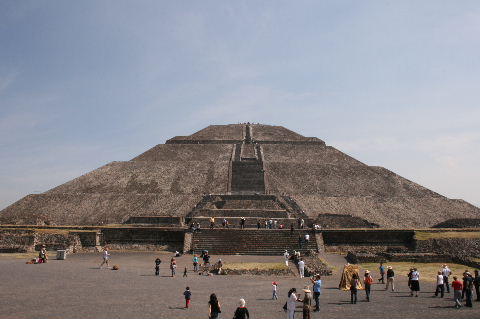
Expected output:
{"points": [[173, 179]]}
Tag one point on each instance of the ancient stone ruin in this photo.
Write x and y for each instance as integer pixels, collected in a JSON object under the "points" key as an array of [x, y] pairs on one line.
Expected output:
{"points": [[251, 171]]}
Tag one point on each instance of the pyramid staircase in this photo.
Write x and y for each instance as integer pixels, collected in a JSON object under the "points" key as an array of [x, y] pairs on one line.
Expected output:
{"points": [[268, 242]]}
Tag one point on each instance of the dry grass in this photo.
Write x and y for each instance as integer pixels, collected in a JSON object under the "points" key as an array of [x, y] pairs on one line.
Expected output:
{"points": [[259, 266], [428, 271], [452, 234]]}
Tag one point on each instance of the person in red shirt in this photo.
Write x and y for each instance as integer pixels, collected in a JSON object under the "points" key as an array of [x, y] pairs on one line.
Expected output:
{"points": [[457, 291]]}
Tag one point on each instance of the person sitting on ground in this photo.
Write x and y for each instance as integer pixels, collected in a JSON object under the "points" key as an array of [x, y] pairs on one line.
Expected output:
{"points": [[42, 255], [242, 311], [219, 266], [177, 253]]}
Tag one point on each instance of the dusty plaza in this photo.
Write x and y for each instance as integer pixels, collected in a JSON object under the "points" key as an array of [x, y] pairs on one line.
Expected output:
{"points": [[258, 204], [77, 288]]}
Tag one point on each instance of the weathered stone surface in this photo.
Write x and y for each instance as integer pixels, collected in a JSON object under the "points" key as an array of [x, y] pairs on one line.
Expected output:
{"points": [[170, 179]]}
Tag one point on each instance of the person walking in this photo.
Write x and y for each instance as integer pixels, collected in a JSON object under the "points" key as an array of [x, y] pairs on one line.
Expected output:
{"points": [[106, 257], [242, 223], [457, 292], [440, 284], [368, 281], [307, 239], [301, 267], [157, 266], [476, 283], [185, 272], [241, 312], [188, 296], [292, 303], [212, 222], [317, 286], [354, 289], [415, 283], [214, 308], [382, 273], [195, 263], [446, 272], [307, 302], [274, 290], [173, 266], [390, 278]]}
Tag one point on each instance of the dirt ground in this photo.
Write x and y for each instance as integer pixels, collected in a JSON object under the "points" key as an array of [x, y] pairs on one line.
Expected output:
{"points": [[77, 288]]}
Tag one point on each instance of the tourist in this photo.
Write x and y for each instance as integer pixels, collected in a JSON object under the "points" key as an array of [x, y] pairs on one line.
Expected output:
{"points": [[224, 223], [302, 223], [440, 285], [468, 287], [476, 283], [214, 308], [198, 227], [270, 224], [409, 275], [307, 302], [287, 256], [195, 263], [301, 267], [188, 296], [390, 278], [274, 290], [173, 266], [177, 253], [157, 266], [219, 266], [185, 272], [382, 273], [457, 292], [368, 281], [354, 284], [212, 222], [291, 303], [258, 224], [317, 286], [242, 311], [242, 223], [106, 257], [446, 272], [415, 283], [300, 241], [42, 255], [307, 239], [464, 282]]}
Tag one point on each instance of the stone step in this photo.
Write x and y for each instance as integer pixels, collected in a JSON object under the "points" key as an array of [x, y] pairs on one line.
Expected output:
{"points": [[255, 242], [256, 213]]}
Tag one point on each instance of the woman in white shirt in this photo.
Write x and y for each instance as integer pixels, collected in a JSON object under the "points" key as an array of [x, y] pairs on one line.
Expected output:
{"points": [[415, 282], [292, 303]]}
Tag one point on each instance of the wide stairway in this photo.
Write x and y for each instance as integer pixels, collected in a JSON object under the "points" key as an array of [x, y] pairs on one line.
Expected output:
{"points": [[250, 242]]}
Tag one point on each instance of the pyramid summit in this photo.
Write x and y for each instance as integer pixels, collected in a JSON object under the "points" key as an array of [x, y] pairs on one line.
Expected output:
{"points": [[251, 170]]}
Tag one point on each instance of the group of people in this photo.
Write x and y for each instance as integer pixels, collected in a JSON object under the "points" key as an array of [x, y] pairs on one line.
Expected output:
{"points": [[462, 289], [214, 307], [307, 299]]}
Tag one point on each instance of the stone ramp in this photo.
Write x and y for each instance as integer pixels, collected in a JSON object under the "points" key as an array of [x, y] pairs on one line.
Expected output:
{"points": [[267, 242]]}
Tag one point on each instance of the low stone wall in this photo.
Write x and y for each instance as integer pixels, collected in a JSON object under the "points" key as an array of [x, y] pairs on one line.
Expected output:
{"points": [[149, 238], [161, 220], [358, 258], [455, 247], [365, 237], [16, 240]]}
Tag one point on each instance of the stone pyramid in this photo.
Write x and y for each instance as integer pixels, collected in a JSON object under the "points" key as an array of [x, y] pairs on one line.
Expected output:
{"points": [[243, 159]]}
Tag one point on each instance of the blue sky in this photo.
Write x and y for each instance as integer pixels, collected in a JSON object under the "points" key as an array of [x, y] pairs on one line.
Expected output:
{"points": [[392, 83]]}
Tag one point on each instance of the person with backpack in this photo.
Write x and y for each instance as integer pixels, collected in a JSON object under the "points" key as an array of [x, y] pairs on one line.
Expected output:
{"points": [[368, 281]]}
